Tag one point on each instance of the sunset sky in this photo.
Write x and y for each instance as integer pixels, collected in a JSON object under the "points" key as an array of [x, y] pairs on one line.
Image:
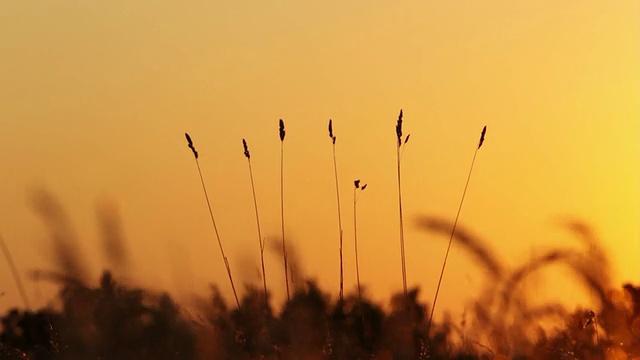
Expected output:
{"points": [[95, 97]]}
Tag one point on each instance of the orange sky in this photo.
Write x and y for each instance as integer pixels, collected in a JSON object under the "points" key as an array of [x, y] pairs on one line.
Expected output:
{"points": [[95, 97]]}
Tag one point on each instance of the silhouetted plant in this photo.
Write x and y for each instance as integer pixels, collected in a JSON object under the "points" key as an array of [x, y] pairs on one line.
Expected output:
{"points": [[304, 319], [284, 244], [335, 175], [14, 273], [453, 229], [108, 322], [254, 325], [357, 189], [213, 221], [400, 147], [113, 321], [261, 240], [66, 252], [404, 328]]}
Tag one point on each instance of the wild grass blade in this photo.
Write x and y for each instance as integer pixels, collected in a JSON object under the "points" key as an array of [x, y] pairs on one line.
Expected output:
{"points": [[356, 194], [15, 273], [284, 244], [453, 230], [247, 154], [213, 221], [398, 158], [335, 173]]}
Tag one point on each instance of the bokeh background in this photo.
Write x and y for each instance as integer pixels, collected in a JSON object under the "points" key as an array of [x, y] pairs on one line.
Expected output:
{"points": [[95, 97]]}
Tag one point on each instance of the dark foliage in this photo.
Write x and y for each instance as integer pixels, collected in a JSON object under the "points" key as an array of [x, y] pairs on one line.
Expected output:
{"points": [[112, 321]]}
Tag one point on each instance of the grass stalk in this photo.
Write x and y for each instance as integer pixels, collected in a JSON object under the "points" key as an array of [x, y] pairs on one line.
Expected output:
{"points": [[284, 244], [400, 147], [356, 195], [260, 238], [15, 273], [592, 320], [453, 229], [340, 232], [213, 221]]}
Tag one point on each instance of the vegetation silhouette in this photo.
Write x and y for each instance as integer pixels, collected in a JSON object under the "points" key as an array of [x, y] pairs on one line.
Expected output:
{"points": [[111, 320], [213, 221]]}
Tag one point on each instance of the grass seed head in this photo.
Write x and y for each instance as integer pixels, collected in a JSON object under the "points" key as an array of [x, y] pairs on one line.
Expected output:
{"points": [[333, 138], [590, 317], [282, 132], [246, 149], [484, 131], [399, 128], [356, 183], [190, 144], [364, 186]]}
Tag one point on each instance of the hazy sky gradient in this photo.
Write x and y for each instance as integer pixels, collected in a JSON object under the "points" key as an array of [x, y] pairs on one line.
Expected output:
{"points": [[95, 97]]}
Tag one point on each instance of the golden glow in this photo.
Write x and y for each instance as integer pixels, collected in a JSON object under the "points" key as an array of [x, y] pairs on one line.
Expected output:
{"points": [[95, 98]]}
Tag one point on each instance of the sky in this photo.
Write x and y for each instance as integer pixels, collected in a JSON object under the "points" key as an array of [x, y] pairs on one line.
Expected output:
{"points": [[95, 98]]}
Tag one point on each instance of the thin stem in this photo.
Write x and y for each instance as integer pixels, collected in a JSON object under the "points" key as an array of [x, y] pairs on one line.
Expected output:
{"points": [[595, 323], [355, 239], [15, 273], [215, 228], [453, 230], [260, 239], [284, 246], [402, 252], [335, 171]]}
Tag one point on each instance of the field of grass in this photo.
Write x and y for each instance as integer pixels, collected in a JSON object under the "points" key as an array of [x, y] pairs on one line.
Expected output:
{"points": [[110, 319], [114, 321]]}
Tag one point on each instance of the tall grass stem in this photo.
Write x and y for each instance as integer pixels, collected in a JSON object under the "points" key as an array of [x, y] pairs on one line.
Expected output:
{"points": [[402, 253], [15, 273], [340, 232], [453, 230], [398, 158], [260, 239], [213, 221], [356, 195], [284, 244]]}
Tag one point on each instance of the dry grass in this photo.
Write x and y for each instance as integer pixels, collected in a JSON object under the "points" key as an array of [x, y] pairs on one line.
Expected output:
{"points": [[261, 240], [340, 232], [213, 221], [15, 273], [453, 229], [399, 150], [357, 189], [284, 243]]}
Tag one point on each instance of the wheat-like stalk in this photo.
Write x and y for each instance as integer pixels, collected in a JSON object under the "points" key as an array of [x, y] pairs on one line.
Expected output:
{"points": [[399, 150], [213, 221], [453, 230], [335, 173], [284, 244], [15, 273], [255, 206], [357, 189]]}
